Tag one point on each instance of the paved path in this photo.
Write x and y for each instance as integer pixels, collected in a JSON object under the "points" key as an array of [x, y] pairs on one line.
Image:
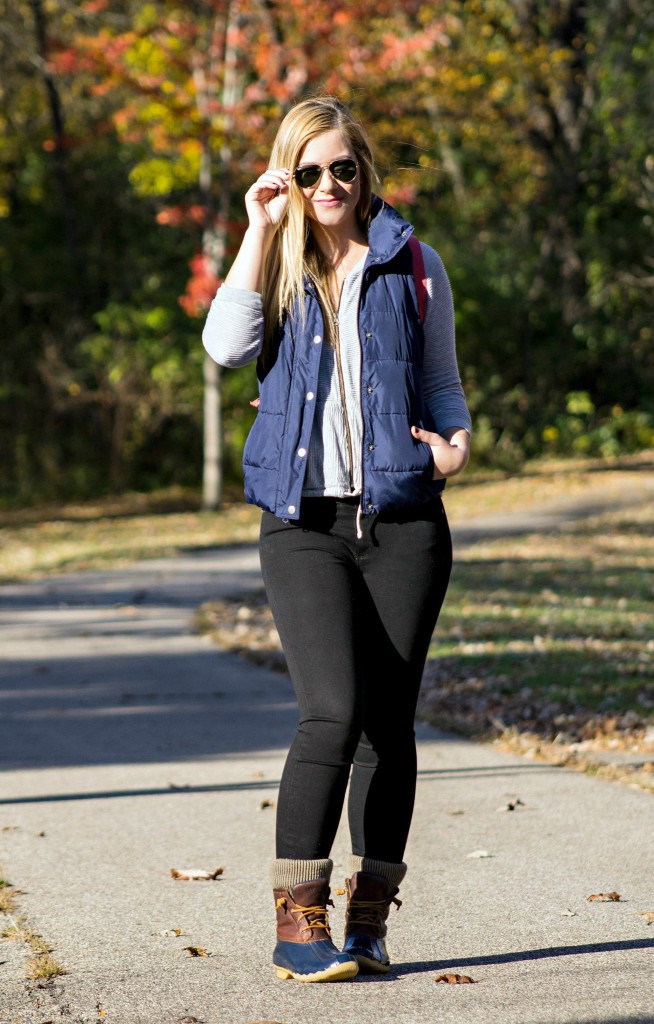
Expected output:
{"points": [[131, 746]]}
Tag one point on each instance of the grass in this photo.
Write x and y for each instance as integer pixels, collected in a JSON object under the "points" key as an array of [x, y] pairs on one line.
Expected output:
{"points": [[44, 968], [114, 532], [7, 897], [41, 965], [545, 644]]}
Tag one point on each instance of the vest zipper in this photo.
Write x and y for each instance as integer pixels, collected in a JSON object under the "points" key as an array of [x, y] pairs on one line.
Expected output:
{"points": [[341, 385]]}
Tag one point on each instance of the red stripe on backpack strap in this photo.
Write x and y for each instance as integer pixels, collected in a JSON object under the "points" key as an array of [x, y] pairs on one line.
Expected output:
{"points": [[419, 277]]}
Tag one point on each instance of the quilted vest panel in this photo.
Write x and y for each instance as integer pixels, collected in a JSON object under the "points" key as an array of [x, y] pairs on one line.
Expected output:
{"points": [[397, 469]]}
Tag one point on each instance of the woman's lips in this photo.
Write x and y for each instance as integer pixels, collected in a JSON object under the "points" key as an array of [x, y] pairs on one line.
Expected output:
{"points": [[328, 202]]}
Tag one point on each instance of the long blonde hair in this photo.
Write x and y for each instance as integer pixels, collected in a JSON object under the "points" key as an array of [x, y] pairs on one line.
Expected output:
{"points": [[293, 252]]}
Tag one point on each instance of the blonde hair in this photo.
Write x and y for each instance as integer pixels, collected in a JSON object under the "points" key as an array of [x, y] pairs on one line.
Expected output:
{"points": [[293, 253]]}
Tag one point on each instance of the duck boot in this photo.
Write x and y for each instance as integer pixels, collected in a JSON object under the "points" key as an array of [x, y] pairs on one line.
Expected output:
{"points": [[369, 898], [304, 949]]}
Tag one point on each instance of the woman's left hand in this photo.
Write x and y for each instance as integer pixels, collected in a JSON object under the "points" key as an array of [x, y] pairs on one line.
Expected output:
{"points": [[450, 450]]}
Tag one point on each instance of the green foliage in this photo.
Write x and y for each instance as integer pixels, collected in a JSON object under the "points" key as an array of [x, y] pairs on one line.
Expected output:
{"points": [[517, 138], [584, 430]]}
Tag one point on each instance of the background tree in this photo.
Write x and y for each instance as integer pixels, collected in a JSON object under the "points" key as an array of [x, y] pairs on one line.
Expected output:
{"points": [[515, 134]]}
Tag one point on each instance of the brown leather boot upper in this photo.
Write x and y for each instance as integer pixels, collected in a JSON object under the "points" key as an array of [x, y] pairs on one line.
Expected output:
{"points": [[302, 912], [369, 898]]}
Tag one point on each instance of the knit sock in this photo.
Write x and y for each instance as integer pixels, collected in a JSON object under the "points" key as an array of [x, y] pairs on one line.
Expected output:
{"points": [[284, 874], [393, 873]]}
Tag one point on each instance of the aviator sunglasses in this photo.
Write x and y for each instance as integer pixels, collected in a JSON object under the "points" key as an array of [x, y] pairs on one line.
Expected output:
{"points": [[342, 170]]}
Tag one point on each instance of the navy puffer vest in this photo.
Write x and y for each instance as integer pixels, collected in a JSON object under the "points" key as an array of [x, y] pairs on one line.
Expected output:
{"points": [[397, 469]]}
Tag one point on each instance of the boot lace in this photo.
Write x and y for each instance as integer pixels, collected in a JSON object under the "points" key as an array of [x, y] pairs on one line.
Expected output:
{"points": [[321, 919], [369, 912]]}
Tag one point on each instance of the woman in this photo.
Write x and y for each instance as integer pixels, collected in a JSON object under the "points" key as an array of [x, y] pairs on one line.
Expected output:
{"points": [[361, 419]]}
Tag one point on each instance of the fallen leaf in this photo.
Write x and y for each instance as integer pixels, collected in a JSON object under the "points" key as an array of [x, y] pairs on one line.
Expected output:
{"points": [[568, 913], [264, 804], [39, 835], [169, 933], [197, 951], [257, 775], [648, 915], [604, 897], [339, 892], [455, 979], [190, 1020], [479, 854], [455, 814], [195, 874], [512, 805]]}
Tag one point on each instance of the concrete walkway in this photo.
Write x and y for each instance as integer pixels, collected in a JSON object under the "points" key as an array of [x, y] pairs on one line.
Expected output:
{"points": [[131, 746]]}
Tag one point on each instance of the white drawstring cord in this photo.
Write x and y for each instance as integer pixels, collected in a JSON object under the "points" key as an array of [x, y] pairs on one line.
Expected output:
{"points": [[359, 517]]}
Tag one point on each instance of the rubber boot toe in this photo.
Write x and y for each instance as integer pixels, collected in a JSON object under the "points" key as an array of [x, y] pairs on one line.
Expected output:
{"points": [[370, 953], [313, 961]]}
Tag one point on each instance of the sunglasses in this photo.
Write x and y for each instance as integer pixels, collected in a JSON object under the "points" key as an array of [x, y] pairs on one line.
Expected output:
{"points": [[341, 170]]}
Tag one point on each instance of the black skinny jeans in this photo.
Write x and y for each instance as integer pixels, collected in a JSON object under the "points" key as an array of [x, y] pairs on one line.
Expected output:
{"points": [[355, 619]]}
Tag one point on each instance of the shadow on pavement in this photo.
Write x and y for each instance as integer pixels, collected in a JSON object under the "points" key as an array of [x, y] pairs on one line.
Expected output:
{"points": [[523, 954], [113, 794], [234, 787], [137, 708]]}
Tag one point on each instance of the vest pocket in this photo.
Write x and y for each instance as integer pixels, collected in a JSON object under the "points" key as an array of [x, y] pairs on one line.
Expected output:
{"points": [[262, 447]]}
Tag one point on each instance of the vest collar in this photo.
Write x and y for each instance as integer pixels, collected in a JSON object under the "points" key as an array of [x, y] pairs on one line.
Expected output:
{"points": [[387, 233]]}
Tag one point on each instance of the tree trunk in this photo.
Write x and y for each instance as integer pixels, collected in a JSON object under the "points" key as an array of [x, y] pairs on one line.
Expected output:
{"points": [[212, 476], [60, 162], [214, 236]]}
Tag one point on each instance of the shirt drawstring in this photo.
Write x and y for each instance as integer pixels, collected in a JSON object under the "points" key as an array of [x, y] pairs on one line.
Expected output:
{"points": [[359, 518]]}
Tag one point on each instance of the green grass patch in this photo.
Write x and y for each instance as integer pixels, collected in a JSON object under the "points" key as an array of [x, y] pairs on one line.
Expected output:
{"points": [[115, 532], [550, 633]]}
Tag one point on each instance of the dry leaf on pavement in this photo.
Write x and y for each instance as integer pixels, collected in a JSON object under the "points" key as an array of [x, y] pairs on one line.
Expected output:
{"points": [[190, 1020], [197, 951], [264, 804], [195, 874], [478, 855], [604, 897], [648, 915], [169, 933], [455, 979], [512, 805], [568, 913]]}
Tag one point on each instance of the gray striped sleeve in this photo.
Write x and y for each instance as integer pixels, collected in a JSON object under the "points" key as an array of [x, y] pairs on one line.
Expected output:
{"points": [[442, 383], [233, 332]]}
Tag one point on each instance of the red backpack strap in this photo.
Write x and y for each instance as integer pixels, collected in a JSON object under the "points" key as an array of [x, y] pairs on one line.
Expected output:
{"points": [[419, 276]]}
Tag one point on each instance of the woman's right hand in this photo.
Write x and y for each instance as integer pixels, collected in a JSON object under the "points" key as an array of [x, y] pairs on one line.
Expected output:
{"points": [[267, 199]]}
